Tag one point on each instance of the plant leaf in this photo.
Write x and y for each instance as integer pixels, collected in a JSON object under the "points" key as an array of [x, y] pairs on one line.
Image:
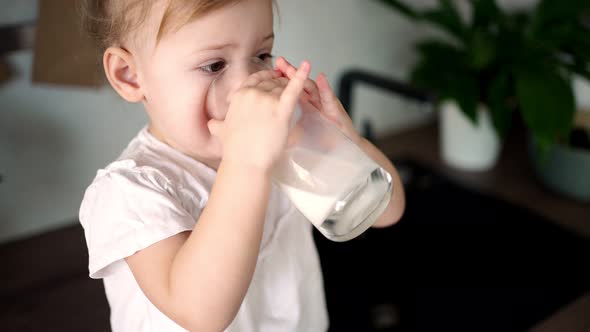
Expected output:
{"points": [[445, 16], [482, 49], [566, 37], [448, 18], [449, 84], [439, 51], [578, 42], [485, 12], [499, 95], [443, 69], [546, 102], [465, 90], [551, 11], [429, 75], [580, 68], [438, 64]]}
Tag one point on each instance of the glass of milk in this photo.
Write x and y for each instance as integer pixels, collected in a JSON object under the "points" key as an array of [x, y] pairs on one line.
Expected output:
{"points": [[328, 178]]}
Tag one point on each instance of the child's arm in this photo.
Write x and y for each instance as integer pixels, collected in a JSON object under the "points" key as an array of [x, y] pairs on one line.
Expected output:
{"points": [[321, 97], [397, 204], [200, 278]]}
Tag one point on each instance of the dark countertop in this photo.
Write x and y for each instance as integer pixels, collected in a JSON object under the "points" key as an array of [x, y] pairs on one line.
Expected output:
{"points": [[512, 179], [45, 285]]}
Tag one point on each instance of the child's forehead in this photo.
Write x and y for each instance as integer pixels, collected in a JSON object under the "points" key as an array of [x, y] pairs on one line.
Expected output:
{"points": [[174, 14], [201, 21]]}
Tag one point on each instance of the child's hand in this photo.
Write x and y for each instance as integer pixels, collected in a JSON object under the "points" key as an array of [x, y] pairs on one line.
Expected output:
{"points": [[321, 97], [256, 125]]}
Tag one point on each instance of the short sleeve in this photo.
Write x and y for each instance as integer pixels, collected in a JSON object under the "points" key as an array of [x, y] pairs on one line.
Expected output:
{"points": [[127, 209]]}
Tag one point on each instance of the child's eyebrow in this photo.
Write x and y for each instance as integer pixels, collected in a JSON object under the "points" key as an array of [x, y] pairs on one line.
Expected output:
{"points": [[232, 45]]}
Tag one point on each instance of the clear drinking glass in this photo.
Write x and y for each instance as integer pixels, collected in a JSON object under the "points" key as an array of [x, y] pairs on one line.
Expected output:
{"points": [[330, 180]]}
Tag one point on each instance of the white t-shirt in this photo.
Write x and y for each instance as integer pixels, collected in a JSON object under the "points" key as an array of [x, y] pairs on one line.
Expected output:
{"points": [[153, 192]]}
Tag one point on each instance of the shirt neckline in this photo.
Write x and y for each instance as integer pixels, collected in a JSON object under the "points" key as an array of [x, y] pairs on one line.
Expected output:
{"points": [[144, 134]]}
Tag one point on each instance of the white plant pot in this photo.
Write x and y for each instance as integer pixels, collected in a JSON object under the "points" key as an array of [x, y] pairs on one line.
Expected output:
{"points": [[464, 145]]}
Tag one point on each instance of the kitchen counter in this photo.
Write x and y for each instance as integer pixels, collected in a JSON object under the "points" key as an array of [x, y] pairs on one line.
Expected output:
{"points": [[512, 179]]}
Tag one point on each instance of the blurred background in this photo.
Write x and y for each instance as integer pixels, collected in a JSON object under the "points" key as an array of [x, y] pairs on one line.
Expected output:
{"points": [[494, 244]]}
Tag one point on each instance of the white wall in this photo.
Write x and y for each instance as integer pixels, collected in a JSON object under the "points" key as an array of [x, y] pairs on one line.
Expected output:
{"points": [[336, 35], [53, 139], [17, 11]]}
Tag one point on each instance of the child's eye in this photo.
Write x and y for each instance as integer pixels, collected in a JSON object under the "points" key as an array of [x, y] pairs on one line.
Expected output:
{"points": [[265, 56], [213, 68]]}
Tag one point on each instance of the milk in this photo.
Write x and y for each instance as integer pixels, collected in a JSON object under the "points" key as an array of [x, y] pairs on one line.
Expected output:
{"points": [[316, 208], [316, 182]]}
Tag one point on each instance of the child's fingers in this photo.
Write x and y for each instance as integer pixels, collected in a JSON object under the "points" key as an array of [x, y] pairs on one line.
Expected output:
{"points": [[289, 70], [270, 85], [266, 85], [310, 86], [314, 94], [293, 91], [283, 65], [329, 100], [282, 80], [260, 76], [277, 91]]}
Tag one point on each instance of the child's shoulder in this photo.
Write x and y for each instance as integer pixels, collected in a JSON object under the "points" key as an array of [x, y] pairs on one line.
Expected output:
{"points": [[137, 166], [148, 173], [147, 160], [132, 203], [127, 183]]}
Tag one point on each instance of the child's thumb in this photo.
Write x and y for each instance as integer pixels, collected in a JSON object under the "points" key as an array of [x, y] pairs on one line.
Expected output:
{"points": [[330, 103], [326, 93]]}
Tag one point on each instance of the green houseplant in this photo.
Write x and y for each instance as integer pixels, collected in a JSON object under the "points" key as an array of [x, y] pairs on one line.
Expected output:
{"points": [[520, 61]]}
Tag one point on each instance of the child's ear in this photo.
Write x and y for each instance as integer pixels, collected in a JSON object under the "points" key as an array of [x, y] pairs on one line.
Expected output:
{"points": [[120, 69]]}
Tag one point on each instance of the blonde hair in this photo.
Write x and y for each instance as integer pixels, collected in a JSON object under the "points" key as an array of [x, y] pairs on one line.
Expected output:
{"points": [[110, 21]]}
